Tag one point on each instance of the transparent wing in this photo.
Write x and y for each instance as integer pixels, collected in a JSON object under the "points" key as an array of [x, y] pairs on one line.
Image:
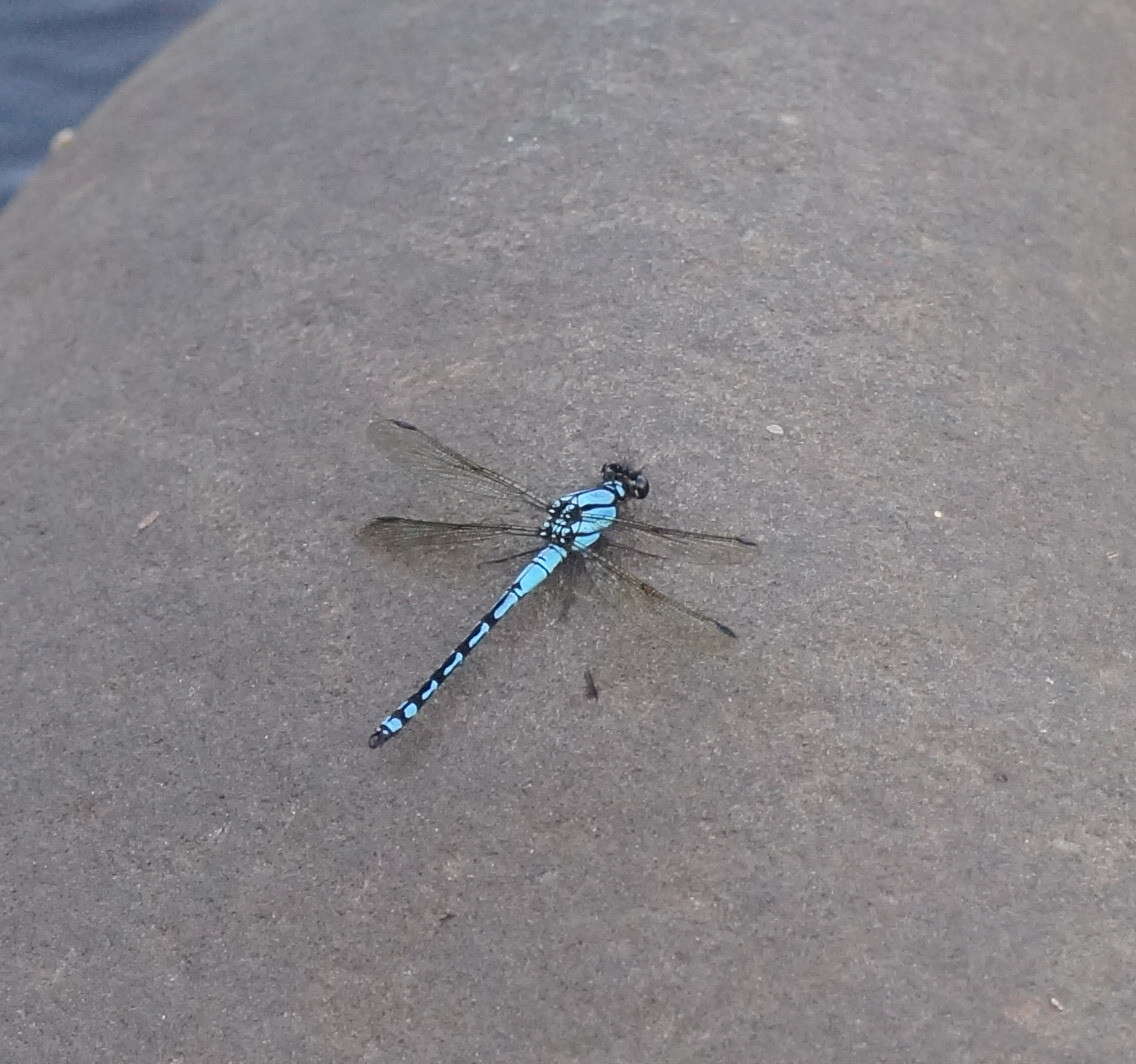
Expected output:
{"points": [[658, 541], [393, 534], [421, 453], [650, 596]]}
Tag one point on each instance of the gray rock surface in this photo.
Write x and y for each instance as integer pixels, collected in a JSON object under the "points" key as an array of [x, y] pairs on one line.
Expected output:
{"points": [[895, 825]]}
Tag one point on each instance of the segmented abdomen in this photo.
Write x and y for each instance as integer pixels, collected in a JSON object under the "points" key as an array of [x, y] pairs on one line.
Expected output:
{"points": [[530, 577]]}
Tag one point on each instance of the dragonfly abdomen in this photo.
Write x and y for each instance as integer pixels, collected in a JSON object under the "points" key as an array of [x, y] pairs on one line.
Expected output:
{"points": [[528, 579]]}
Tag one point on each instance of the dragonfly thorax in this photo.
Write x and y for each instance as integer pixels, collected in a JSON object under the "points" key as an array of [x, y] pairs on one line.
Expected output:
{"points": [[576, 520]]}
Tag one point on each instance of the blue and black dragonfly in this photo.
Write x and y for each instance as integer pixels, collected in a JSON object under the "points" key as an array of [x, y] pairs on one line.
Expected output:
{"points": [[585, 526]]}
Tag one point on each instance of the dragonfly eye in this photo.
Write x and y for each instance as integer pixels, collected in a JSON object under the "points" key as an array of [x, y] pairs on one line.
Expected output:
{"points": [[635, 483]]}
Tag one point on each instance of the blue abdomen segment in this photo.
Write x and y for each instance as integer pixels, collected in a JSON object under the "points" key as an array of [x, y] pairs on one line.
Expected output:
{"points": [[528, 579]]}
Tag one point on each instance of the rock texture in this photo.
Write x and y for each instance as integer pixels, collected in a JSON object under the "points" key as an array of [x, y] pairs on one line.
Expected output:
{"points": [[894, 825]]}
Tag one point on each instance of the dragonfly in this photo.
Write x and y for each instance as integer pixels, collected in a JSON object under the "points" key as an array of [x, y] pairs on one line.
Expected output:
{"points": [[587, 525]]}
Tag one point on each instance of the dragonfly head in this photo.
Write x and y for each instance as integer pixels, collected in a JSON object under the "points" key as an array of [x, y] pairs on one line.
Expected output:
{"points": [[633, 480]]}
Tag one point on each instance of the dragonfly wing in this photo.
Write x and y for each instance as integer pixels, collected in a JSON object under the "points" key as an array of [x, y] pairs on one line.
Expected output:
{"points": [[423, 454], [649, 595], [383, 534], [660, 541]]}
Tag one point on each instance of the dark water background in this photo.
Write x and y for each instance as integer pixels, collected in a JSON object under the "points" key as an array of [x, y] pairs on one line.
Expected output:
{"points": [[60, 58]]}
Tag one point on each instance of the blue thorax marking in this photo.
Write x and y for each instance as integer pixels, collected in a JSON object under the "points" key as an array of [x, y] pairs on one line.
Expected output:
{"points": [[579, 518]]}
